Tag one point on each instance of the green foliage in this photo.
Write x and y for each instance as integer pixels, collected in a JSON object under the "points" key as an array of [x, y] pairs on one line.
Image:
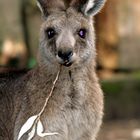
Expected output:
{"points": [[122, 98], [31, 63]]}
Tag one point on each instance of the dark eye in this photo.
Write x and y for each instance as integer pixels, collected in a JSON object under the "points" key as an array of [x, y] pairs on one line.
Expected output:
{"points": [[50, 33], [82, 33]]}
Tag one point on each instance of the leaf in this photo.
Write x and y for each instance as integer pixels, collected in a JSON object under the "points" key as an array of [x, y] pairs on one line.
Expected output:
{"points": [[40, 130], [27, 126], [39, 127]]}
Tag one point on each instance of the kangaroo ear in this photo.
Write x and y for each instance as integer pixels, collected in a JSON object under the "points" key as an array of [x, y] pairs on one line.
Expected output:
{"points": [[48, 6], [89, 7]]}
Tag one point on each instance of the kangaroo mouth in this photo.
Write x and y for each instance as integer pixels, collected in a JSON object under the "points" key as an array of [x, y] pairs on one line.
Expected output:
{"points": [[67, 64]]}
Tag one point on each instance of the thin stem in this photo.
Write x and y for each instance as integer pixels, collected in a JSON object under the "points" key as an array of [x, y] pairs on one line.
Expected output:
{"points": [[47, 99]]}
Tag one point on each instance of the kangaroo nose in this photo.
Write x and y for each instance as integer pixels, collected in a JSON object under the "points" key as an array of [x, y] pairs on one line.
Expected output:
{"points": [[65, 55]]}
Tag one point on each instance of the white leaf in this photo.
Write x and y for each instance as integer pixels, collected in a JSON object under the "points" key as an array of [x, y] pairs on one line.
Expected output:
{"points": [[39, 127], [40, 131], [27, 126]]}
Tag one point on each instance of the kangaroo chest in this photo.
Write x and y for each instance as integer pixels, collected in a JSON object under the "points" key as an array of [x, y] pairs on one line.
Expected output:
{"points": [[65, 112]]}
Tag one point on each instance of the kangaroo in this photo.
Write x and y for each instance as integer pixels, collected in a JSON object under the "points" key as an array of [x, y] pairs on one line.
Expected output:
{"points": [[75, 109]]}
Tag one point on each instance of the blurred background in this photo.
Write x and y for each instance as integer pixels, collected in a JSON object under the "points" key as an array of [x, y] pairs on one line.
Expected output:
{"points": [[118, 46]]}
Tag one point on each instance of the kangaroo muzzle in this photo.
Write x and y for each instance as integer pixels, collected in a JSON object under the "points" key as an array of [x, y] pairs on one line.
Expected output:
{"points": [[65, 57]]}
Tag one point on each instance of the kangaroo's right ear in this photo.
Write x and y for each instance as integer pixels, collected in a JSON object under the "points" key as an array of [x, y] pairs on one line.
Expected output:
{"points": [[48, 6], [88, 7]]}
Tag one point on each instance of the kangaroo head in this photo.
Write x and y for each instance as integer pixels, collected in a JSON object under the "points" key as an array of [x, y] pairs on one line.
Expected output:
{"points": [[67, 34]]}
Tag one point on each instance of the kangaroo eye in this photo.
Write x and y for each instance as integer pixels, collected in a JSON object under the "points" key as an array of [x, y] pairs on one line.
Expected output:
{"points": [[82, 33], [50, 33]]}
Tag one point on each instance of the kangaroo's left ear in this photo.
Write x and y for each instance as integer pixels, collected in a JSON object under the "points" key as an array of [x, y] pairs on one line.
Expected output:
{"points": [[88, 7], [49, 6]]}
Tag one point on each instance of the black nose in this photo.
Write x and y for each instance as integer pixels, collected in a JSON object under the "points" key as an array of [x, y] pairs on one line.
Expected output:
{"points": [[65, 55]]}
